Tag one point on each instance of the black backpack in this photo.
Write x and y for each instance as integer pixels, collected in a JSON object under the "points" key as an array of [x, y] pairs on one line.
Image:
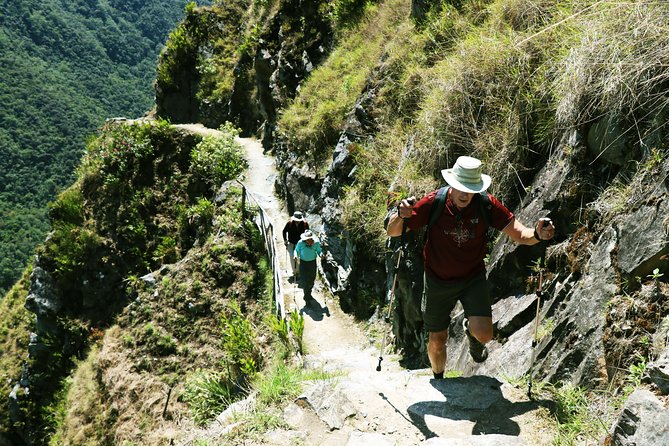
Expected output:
{"points": [[440, 202]]}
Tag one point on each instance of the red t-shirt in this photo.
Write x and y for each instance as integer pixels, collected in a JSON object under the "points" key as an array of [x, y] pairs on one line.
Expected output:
{"points": [[456, 243]]}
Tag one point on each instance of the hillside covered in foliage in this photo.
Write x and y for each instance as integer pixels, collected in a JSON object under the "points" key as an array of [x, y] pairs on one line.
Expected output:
{"points": [[363, 102], [65, 67]]}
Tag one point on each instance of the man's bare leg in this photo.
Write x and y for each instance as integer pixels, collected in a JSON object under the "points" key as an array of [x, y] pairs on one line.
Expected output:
{"points": [[481, 328], [436, 350]]}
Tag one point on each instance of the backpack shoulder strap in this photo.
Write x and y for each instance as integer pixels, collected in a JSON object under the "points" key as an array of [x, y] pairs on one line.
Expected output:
{"points": [[438, 205], [440, 202], [486, 207]]}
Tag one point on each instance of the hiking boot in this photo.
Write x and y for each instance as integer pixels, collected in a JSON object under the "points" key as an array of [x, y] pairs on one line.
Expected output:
{"points": [[478, 351]]}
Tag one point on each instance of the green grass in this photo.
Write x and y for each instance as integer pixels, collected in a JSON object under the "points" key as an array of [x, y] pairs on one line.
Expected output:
{"points": [[580, 414], [279, 385], [15, 328], [575, 418], [207, 394], [275, 387], [313, 122]]}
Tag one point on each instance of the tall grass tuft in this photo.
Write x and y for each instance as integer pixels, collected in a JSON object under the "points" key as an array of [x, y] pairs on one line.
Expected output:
{"points": [[616, 66], [239, 341], [207, 394], [296, 325]]}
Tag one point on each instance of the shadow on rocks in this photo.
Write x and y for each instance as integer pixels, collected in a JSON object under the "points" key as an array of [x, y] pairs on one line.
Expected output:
{"points": [[477, 399]]}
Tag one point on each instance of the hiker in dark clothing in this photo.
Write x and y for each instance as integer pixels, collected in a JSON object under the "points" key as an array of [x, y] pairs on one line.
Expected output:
{"points": [[291, 235], [307, 249], [454, 255]]}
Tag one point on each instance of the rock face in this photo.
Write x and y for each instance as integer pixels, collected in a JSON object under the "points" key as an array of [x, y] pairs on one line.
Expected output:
{"points": [[263, 73], [592, 262], [644, 420], [658, 372], [44, 299]]}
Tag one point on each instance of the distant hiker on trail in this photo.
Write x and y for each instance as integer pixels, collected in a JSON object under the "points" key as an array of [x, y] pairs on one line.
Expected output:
{"points": [[291, 235], [307, 249], [454, 253]]}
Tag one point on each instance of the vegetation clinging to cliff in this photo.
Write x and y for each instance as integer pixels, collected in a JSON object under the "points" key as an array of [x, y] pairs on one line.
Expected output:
{"points": [[138, 203], [498, 80]]}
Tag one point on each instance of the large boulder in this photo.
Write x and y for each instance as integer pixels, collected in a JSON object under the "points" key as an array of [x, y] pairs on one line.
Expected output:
{"points": [[643, 421]]}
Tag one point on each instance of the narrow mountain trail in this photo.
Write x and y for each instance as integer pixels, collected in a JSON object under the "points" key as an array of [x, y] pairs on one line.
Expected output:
{"points": [[394, 406], [323, 329]]}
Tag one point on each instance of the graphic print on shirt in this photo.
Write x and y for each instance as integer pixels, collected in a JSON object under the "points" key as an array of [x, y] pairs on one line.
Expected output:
{"points": [[461, 234]]}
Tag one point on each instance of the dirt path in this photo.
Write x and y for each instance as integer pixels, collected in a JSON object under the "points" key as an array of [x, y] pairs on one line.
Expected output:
{"points": [[326, 327], [394, 406]]}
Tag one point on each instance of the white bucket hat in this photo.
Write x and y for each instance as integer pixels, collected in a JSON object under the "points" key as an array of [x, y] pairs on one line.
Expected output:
{"points": [[466, 175], [306, 235], [297, 215]]}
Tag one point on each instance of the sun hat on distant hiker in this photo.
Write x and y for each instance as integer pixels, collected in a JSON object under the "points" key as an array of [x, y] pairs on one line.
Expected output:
{"points": [[297, 215], [308, 235], [466, 175]]}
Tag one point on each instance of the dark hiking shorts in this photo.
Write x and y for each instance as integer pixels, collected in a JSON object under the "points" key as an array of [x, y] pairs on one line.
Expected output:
{"points": [[439, 299]]}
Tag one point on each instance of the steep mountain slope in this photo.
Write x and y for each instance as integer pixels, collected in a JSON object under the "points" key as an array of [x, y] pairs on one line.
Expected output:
{"points": [[358, 404], [565, 103], [143, 198]]}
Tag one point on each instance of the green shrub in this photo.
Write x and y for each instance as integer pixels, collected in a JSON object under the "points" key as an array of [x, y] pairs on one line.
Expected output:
{"points": [[120, 150], [218, 159], [69, 249], [166, 251], [201, 213], [157, 340], [179, 50], [279, 327], [288, 328], [68, 207]]}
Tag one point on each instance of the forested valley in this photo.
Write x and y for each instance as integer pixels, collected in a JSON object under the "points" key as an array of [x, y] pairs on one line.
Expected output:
{"points": [[65, 67]]}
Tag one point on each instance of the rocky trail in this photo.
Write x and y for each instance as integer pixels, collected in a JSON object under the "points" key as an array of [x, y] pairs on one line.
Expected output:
{"points": [[394, 406]]}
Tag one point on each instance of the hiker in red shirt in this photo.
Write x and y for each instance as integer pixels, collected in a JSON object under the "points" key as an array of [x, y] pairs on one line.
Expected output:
{"points": [[454, 255], [291, 235]]}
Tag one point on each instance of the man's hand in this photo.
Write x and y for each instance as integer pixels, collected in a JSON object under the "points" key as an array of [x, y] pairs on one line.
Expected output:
{"points": [[544, 229], [405, 207], [404, 210]]}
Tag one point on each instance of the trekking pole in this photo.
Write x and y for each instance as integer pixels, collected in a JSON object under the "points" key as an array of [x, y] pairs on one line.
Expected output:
{"points": [[535, 338], [392, 293]]}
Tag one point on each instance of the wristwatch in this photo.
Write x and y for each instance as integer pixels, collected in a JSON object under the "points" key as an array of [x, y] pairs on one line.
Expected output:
{"points": [[536, 235]]}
